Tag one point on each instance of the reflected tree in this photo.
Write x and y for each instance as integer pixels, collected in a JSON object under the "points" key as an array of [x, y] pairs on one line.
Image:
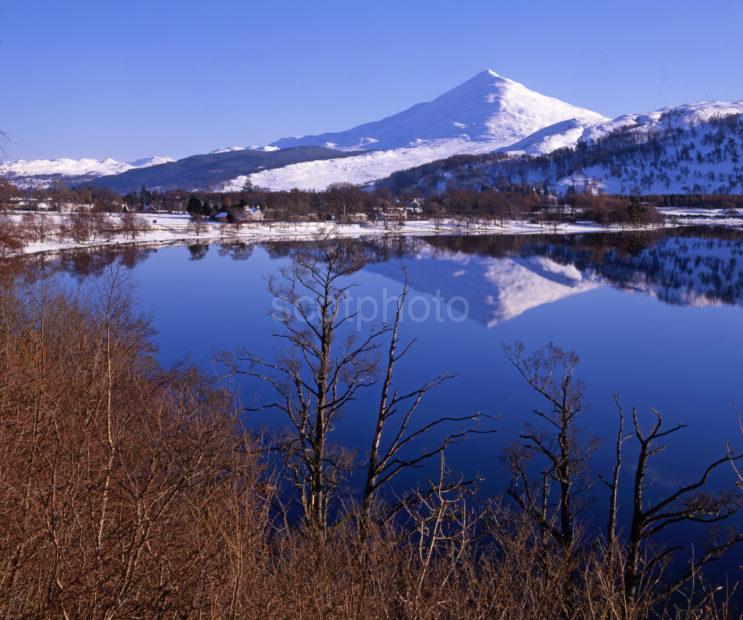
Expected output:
{"points": [[198, 251]]}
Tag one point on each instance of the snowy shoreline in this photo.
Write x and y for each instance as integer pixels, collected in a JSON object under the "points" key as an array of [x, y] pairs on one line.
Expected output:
{"points": [[166, 229]]}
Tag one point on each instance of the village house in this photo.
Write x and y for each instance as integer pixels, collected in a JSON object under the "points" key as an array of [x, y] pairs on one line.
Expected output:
{"points": [[239, 215], [392, 214], [414, 206], [357, 218], [254, 214], [22, 203]]}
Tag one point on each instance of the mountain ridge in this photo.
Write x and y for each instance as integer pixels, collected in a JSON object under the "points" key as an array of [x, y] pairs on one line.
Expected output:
{"points": [[488, 113], [485, 108]]}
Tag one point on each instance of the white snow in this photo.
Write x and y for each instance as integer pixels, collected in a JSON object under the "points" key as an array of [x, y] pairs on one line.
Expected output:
{"points": [[495, 112], [680, 117], [229, 149], [573, 131], [560, 135], [146, 162], [357, 169], [174, 228], [492, 108], [22, 168], [64, 166]]}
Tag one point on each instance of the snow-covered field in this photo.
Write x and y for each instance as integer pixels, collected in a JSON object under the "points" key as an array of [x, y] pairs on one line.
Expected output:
{"points": [[166, 228]]}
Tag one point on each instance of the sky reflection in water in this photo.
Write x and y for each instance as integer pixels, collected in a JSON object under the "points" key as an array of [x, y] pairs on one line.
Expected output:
{"points": [[656, 318]]}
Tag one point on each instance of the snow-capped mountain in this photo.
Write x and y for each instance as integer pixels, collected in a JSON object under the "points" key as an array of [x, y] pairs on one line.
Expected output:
{"points": [[484, 113], [578, 131], [534, 139], [694, 148], [146, 162], [64, 166], [40, 172], [226, 149], [486, 108]]}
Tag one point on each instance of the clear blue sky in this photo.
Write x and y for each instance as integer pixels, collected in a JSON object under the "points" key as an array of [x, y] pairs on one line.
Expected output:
{"points": [[133, 78]]}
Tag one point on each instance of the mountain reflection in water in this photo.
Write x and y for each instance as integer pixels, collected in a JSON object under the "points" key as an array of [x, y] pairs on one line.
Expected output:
{"points": [[500, 276]]}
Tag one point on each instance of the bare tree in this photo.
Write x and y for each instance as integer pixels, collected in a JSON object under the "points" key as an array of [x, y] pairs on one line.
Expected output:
{"points": [[736, 469], [79, 227], [393, 436], [689, 503], [317, 373], [132, 225], [613, 484], [39, 226], [12, 236], [197, 225], [442, 530], [551, 373]]}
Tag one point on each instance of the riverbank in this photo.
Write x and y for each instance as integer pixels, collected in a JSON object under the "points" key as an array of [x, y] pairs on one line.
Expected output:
{"points": [[167, 228]]}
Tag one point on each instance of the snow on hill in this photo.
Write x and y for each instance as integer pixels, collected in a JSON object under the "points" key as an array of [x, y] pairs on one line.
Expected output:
{"points": [[560, 135], [575, 131], [355, 169], [146, 162], [482, 114], [38, 172], [226, 149], [486, 108], [694, 148], [66, 167]]}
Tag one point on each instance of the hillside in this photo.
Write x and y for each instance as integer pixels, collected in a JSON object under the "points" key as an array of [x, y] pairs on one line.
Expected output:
{"points": [[43, 172], [485, 113], [486, 108], [690, 149], [202, 171]]}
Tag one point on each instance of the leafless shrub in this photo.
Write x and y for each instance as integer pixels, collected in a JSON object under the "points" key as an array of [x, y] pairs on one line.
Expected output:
{"points": [[12, 236], [132, 225], [38, 226]]}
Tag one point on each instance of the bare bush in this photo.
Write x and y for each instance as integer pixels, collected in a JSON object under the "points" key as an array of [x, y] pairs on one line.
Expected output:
{"points": [[38, 226], [12, 236]]}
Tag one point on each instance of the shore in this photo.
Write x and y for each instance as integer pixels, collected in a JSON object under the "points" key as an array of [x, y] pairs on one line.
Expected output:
{"points": [[167, 228]]}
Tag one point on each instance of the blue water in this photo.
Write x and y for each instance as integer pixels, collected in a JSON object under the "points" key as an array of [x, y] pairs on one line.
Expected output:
{"points": [[658, 320]]}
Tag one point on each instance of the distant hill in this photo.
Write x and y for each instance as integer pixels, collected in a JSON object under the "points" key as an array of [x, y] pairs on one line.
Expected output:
{"points": [[488, 132], [691, 149], [202, 171]]}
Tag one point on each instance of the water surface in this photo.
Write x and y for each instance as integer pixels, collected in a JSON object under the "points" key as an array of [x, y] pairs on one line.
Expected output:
{"points": [[657, 318]]}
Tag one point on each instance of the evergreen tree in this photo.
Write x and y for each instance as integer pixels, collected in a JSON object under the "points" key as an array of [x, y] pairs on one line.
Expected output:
{"points": [[194, 206]]}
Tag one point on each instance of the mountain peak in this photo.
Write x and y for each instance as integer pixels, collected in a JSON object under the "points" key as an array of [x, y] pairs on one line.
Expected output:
{"points": [[486, 112], [490, 73]]}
